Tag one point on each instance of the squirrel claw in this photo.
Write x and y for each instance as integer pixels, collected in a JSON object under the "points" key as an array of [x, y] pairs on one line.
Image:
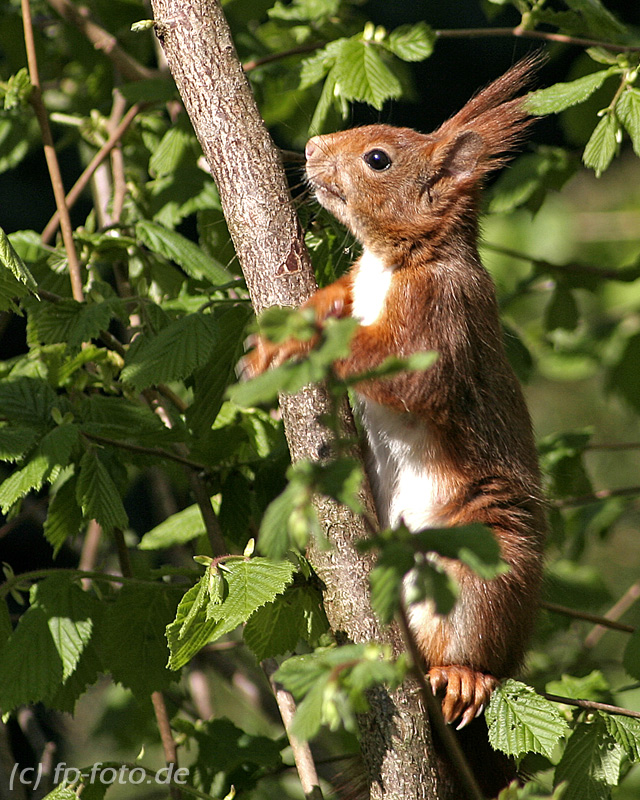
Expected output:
{"points": [[466, 692]]}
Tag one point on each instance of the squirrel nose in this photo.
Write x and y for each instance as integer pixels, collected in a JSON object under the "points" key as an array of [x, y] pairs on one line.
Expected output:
{"points": [[311, 147]]}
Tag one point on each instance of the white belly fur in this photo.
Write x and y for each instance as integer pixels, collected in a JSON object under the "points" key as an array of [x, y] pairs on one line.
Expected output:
{"points": [[370, 286], [406, 481]]}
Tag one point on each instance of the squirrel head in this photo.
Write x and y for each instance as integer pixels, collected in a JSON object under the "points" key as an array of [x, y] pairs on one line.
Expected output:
{"points": [[397, 189]]}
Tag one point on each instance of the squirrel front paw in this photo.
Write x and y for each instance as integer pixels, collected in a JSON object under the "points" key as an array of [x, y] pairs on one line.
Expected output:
{"points": [[466, 691]]}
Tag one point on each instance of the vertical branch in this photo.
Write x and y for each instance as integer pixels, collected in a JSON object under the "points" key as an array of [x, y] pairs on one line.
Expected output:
{"points": [[157, 698], [302, 755], [51, 157]]}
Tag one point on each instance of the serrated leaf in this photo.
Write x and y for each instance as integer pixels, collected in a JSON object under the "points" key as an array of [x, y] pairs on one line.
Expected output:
{"points": [[590, 763], [27, 400], [521, 721], [15, 441], [98, 494], [176, 351], [412, 42], [602, 145], [185, 643], [474, 544], [181, 527], [174, 146], [184, 252], [49, 458], [119, 418], [45, 647], [133, 647], [277, 627], [628, 112], [12, 261], [72, 322], [64, 517], [362, 75], [626, 731], [211, 380], [386, 579], [69, 613], [564, 95], [62, 793]]}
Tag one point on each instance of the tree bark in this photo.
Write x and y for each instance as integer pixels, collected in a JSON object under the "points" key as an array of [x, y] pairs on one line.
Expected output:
{"points": [[246, 167]]}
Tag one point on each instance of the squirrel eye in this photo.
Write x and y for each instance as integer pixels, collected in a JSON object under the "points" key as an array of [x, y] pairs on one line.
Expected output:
{"points": [[377, 159]]}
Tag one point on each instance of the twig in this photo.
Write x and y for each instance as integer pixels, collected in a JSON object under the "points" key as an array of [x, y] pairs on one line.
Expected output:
{"points": [[117, 160], [248, 66], [601, 494], [592, 705], [613, 614], [524, 33], [573, 268], [129, 67], [605, 622], [302, 755], [447, 737], [90, 547], [50, 155], [79, 186], [156, 452], [157, 698]]}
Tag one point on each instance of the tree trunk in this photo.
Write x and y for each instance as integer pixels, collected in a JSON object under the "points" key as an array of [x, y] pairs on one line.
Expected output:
{"points": [[255, 199]]}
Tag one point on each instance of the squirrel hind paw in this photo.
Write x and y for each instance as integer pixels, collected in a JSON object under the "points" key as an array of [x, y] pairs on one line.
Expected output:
{"points": [[466, 692]]}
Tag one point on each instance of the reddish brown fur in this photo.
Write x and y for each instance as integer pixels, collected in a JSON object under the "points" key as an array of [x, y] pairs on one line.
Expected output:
{"points": [[420, 216]]}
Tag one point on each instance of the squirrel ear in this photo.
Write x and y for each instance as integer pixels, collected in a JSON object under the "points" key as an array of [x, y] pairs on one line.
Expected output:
{"points": [[463, 155]]}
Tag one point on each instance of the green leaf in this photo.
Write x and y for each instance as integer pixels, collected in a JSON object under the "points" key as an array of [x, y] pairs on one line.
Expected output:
{"points": [[44, 650], [628, 112], [386, 579], [626, 732], [521, 721], [277, 627], [176, 351], [27, 400], [64, 517], [119, 418], [251, 583], [212, 379], [184, 252], [624, 376], [475, 545], [561, 310], [631, 658], [62, 793], [98, 494], [52, 454], [12, 261], [564, 95], [132, 645], [602, 145], [185, 640], [181, 527], [71, 322], [15, 441], [591, 762], [412, 42], [174, 146], [362, 75]]}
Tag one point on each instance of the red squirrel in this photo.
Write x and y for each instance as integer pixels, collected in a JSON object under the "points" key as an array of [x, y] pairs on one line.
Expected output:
{"points": [[451, 445]]}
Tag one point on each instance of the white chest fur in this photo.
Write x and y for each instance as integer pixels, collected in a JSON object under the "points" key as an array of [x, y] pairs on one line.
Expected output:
{"points": [[406, 475], [370, 287]]}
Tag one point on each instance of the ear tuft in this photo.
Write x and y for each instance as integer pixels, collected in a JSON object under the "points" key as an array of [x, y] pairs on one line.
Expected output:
{"points": [[464, 154]]}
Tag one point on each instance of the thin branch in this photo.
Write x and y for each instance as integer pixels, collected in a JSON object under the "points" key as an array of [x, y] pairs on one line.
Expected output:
{"points": [[572, 268], [601, 494], [248, 66], [90, 549], [157, 698], [523, 33], [50, 155], [156, 452], [447, 736], [605, 622], [613, 614], [302, 755], [79, 186], [102, 40], [592, 705]]}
